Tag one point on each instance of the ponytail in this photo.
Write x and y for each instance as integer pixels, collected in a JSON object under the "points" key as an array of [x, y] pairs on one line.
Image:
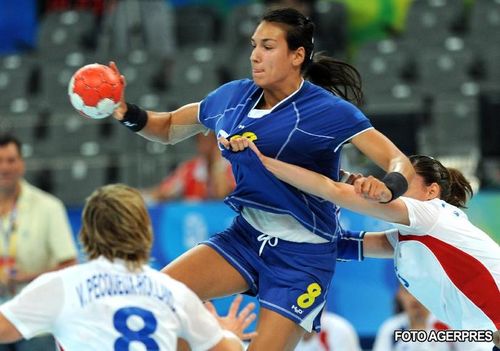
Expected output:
{"points": [[459, 190], [338, 77]]}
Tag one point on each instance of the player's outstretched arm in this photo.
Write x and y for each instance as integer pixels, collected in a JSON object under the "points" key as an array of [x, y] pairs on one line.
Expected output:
{"points": [[165, 127], [317, 184], [8, 332]]}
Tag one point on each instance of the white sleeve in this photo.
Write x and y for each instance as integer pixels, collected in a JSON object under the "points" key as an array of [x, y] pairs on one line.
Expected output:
{"points": [[199, 328], [423, 215], [35, 309]]}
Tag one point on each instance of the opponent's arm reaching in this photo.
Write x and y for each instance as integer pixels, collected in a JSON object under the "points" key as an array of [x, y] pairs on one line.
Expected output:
{"points": [[344, 195], [375, 244]]}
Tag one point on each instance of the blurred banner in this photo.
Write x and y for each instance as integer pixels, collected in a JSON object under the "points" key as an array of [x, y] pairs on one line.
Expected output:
{"points": [[362, 292], [484, 212]]}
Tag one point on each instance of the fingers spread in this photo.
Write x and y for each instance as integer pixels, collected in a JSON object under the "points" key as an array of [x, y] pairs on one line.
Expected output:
{"points": [[235, 305]]}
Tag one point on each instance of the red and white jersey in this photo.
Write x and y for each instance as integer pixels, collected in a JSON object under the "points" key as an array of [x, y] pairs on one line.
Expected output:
{"points": [[449, 265], [100, 305]]}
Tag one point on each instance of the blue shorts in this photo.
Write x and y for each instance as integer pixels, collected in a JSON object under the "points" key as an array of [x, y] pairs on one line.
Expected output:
{"points": [[290, 278]]}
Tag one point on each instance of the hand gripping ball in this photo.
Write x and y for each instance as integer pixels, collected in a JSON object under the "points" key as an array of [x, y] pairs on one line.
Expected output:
{"points": [[95, 91]]}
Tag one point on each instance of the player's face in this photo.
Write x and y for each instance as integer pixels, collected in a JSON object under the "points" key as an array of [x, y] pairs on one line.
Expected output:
{"points": [[273, 64], [11, 167], [417, 189]]}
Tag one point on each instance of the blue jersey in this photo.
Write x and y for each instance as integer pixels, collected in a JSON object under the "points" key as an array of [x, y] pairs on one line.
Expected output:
{"points": [[307, 129]]}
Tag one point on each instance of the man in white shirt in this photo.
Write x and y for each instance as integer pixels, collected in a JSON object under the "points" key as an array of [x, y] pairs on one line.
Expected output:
{"points": [[114, 301], [35, 235]]}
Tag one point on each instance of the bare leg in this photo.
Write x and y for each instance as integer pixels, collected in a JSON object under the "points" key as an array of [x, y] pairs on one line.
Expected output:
{"points": [[275, 332], [207, 273]]}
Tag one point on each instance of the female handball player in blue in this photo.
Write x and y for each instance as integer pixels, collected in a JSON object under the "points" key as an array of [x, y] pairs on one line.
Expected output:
{"points": [[282, 245]]}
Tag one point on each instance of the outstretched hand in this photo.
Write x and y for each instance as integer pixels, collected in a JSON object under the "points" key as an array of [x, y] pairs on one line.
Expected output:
{"points": [[120, 111], [372, 189], [234, 321]]}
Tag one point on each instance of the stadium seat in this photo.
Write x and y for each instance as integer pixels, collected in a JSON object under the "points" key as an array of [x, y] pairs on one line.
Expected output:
{"points": [[381, 72], [485, 22], [442, 71], [330, 34], [454, 125], [144, 171], [15, 77], [430, 21], [61, 32], [139, 68], [195, 74], [241, 23], [489, 122], [489, 61], [75, 178], [400, 119], [196, 25], [68, 134]]}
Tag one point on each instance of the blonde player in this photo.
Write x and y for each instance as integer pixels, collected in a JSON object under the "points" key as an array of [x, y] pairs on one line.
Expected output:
{"points": [[447, 263], [115, 301]]}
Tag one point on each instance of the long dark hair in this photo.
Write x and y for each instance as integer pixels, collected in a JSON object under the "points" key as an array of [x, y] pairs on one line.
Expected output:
{"points": [[455, 189], [338, 77]]}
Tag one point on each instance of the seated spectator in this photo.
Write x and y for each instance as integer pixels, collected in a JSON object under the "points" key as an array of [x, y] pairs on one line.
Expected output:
{"points": [[207, 176], [336, 334]]}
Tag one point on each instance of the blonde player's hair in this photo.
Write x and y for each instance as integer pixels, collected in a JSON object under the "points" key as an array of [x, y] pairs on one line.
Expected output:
{"points": [[116, 225]]}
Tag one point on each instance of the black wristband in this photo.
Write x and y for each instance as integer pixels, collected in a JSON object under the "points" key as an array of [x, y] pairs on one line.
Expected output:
{"points": [[396, 183], [135, 118]]}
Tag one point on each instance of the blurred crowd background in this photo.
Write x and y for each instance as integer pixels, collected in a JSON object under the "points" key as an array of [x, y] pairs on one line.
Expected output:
{"points": [[430, 69]]}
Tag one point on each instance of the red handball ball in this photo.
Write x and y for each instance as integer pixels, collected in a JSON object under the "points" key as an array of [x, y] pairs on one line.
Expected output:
{"points": [[95, 91]]}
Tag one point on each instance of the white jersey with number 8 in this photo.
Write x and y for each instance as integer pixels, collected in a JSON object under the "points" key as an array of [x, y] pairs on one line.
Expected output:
{"points": [[100, 305]]}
